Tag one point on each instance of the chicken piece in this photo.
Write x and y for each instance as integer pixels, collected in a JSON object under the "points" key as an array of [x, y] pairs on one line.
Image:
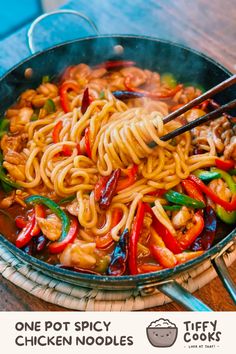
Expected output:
{"points": [[230, 149], [17, 172], [221, 189], [14, 143], [44, 92], [73, 208], [51, 227], [5, 203], [180, 218], [14, 157], [138, 76], [80, 254], [26, 98], [20, 119]]}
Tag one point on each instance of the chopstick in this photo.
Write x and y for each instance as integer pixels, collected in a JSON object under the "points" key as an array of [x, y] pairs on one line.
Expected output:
{"points": [[213, 91], [203, 119]]}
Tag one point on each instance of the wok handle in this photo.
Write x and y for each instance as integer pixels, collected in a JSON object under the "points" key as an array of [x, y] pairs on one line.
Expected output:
{"points": [[182, 296], [223, 273], [30, 33]]}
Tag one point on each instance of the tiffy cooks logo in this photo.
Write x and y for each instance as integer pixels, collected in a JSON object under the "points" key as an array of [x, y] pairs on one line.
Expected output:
{"points": [[202, 334], [162, 333]]}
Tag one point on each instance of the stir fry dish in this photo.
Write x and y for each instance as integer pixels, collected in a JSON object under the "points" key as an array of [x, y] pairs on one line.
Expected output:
{"points": [[88, 185]]}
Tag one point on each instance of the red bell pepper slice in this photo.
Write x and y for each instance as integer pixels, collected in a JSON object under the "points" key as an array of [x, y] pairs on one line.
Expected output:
{"points": [[63, 92], [58, 247], [228, 206], [154, 95], [193, 190], [148, 268], [169, 240], [67, 150], [224, 165], [131, 174], [20, 222], [85, 101], [87, 142], [134, 237], [187, 256], [164, 256], [186, 239], [107, 240], [25, 235], [99, 187], [39, 211], [56, 132], [115, 64]]}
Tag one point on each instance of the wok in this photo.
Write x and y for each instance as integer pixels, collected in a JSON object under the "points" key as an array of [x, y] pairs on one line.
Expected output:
{"points": [[155, 54]]}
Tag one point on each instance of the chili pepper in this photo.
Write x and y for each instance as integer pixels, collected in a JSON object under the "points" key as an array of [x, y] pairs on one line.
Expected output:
{"points": [[160, 252], [228, 206], [59, 246], [148, 268], [232, 172], [38, 199], [20, 222], [131, 174], [119, 256], [175, 107], [39, 212], [115, 64], [134, 237], [158, 193], [186, 239], [172, 207], [41, 242], [206, 176], [67, 199], [224, 165], [107, 240], [56, 132], [99, 187], [192, 190], [25, 235], [63, 92], [29, 248], [187, 256], [182, 199], [109, 190], [225, 216], [4, 178], [49, 106], [206, 238], [87, 142], [154, 95], [85, 101], [126, 95]]}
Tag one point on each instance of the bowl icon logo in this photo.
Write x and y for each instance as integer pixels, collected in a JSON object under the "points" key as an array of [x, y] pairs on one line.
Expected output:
{"points": [[162, 333]]}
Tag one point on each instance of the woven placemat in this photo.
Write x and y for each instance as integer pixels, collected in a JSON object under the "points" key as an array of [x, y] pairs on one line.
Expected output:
{"points": [[77, 298]]}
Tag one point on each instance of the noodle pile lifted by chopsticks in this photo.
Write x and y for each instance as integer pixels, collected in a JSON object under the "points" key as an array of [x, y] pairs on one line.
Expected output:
{"points": [[119, 134]]}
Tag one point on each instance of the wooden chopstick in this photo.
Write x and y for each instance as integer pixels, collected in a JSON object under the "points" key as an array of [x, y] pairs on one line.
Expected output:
{"points": [[213, 91], [195, 123]]}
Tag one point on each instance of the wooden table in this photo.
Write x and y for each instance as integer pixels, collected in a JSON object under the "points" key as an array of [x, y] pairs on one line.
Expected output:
{"points": [[208, 26]]}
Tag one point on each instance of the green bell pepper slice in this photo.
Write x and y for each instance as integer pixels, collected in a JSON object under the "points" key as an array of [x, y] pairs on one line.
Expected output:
{"points": [[225, 216], [183, 199], [54, 207], [206, 176]]}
